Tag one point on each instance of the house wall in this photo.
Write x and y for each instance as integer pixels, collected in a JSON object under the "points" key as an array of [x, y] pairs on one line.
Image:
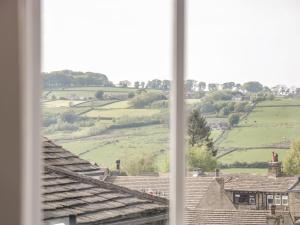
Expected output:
{"points": [[261, 202], [294, 204]]}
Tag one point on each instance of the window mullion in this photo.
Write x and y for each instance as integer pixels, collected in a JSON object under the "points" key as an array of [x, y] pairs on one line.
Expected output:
{"points": [[177, 153]]}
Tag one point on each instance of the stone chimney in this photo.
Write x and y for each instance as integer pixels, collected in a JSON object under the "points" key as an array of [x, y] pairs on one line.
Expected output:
{"points": [[274, 169]]}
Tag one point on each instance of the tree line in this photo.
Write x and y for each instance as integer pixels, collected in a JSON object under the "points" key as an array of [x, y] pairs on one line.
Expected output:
{"points": [[69, 78]]}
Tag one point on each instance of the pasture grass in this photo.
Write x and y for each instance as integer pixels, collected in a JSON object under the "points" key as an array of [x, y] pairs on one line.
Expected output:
{"points": [[60, 103], [252, 155], [117, 113], [117, 105], [265, 126], [122, 143], [279, 102]]}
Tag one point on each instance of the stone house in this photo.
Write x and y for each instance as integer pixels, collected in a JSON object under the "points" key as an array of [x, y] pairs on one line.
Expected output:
{"points": [[201, 192], [248, 191]]}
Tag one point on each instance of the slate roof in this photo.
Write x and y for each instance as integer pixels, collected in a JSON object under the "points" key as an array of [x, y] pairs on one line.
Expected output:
{"points": [[296, 186], [196, 187], [55, 155], [258, 183], [231, 217], [93, 201]]}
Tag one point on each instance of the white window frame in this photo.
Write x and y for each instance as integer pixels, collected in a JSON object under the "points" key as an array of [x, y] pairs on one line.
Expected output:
{"points": [[277, 198], [30, 33]]}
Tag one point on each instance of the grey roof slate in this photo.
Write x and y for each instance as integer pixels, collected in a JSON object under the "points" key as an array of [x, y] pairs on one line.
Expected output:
{"points": [[55, 155], [258, 183], [93, 201], [196, 187]]}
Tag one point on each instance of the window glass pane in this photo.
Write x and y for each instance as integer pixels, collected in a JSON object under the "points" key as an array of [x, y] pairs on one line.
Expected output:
{"points": [[285, 200], [242, 98], [107, 80], [270, 199]]}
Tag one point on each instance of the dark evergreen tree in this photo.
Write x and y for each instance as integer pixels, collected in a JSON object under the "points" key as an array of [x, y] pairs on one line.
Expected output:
{"points": [[199, 132]]}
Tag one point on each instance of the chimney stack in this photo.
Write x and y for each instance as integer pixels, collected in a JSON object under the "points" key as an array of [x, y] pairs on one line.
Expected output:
{"points": [[274, 169], [72, 220]]}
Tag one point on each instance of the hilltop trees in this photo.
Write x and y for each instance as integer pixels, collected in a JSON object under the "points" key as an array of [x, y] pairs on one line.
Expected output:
{"points": [[291, 163], [199, 132], [124, 83], [253, 86], [69, 78]]}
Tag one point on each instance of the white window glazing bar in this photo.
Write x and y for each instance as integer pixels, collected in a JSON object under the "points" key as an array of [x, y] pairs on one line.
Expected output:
{"points": [[30, 23], [177, 153]]}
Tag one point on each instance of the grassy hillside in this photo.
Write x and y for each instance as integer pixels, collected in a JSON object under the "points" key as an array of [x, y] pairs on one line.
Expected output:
{"points": [[98, 136], [271, 124]]}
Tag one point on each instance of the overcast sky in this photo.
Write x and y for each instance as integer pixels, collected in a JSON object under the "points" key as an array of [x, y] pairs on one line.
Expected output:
{"points": [[227, 40]]}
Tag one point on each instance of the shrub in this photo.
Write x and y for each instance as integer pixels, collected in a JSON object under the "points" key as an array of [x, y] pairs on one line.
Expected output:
{"points": [[224, 111], [69, 117], [160, 104], [61, 126], [208, 107], [139, 164], [291, 163], [99, 94], [201, 158], [146, 99], [221, 95], [47, 121], [234, 119], [131, 94]]}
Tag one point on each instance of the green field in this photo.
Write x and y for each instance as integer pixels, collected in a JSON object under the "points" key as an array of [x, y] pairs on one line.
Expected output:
{"points": [[253, 155], [280, 101], [60, 103], [117, 113], [271, 126], [117, 105], [122, 143], [265, 127]]}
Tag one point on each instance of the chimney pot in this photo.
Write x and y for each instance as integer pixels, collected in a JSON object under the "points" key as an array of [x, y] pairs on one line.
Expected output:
{"points": [[118, 162]]}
